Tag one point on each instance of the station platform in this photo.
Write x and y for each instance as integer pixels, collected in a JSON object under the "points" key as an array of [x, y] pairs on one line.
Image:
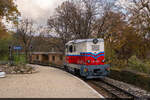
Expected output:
{"points": [[48, 82]]}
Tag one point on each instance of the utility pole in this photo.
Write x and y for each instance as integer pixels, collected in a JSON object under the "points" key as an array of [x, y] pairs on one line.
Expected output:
{"points": [[10, 56]]}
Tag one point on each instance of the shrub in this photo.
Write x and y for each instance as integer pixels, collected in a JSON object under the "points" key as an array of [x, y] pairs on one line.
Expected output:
{"points": [[20, 59], [138, 65], [130, 77], [4, 44]]}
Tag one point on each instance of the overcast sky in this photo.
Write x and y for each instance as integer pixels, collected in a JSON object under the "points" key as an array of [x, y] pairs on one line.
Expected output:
{"points": [[38, 10]]}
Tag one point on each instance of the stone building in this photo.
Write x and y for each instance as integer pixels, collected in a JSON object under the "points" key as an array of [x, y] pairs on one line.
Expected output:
{"points": [[47, 58]]}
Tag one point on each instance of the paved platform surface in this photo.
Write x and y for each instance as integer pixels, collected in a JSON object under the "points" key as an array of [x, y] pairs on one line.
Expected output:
{"points": [[47, 83]]}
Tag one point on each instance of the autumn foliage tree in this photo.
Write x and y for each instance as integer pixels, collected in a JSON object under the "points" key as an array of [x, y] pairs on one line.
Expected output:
{"points": [[8, 9], [9, 12]]}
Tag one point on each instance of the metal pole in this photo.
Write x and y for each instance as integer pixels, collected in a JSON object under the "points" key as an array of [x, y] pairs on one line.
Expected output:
{"points": [[10, 56], [30, 54]]}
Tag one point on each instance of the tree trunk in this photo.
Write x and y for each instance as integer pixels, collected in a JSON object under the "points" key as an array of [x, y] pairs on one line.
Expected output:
{"points": [[26, 55]]}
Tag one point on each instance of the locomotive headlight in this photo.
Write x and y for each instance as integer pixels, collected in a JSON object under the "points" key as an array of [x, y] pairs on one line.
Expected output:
{"points": [[103, 60], [89, 61]]}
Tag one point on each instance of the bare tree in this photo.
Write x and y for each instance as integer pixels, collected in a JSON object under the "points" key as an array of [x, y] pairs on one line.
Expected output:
{"points": [[106, 19], [25, 33], [73, 20], [60, 25], [140, 17], [82, 18], [45, 42]]}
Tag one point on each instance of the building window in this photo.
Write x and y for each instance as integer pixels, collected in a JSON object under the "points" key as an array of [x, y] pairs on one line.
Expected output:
{"points": [[37, 57], [61, 58], [53, 58]]}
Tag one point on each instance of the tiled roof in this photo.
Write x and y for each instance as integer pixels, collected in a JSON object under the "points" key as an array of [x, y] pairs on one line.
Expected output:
{"points": [[46, 53]]}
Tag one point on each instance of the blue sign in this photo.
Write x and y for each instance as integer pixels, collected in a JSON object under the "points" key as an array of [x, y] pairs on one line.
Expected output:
{"points": [[17, 47]]}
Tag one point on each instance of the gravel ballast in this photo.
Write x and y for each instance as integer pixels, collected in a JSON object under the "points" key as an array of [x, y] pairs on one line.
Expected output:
{"points": [[47, 83]]}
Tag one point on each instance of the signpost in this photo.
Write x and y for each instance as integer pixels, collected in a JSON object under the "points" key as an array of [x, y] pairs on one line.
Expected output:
{"points": [[17, 48], [11, 57]]}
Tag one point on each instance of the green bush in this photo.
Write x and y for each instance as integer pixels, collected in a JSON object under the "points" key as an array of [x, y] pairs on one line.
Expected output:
{"points": [[138, 65], [4, 44], [19, 59]]}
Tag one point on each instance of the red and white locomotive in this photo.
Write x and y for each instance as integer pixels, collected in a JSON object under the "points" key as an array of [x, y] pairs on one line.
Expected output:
{"points": [[86, 57]]}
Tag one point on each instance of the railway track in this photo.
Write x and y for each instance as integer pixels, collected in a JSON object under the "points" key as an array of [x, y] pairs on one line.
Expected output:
{"points": [[107, 89], [112, 91]]}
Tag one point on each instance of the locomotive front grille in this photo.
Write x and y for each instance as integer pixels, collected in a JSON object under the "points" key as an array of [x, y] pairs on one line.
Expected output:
{"points": [[97, 70]]}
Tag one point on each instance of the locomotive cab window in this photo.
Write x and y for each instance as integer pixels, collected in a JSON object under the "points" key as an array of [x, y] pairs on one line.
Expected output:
{"points": [[70, 48]]}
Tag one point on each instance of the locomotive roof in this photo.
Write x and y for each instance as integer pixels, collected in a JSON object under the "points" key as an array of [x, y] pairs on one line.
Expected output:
{"points": [[83, 40]]}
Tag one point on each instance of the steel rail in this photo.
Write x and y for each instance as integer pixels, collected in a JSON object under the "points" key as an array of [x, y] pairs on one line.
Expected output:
{"points": [[113, 90], [126, 92]]}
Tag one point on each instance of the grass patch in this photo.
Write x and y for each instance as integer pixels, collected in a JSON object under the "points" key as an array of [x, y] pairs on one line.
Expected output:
{"points": [[139, 65], [17, 59], [4, 58]]}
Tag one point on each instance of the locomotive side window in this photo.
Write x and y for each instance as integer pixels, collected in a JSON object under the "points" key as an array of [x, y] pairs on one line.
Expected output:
{"points": [[71, 48], [74, 49], [95, 47]]}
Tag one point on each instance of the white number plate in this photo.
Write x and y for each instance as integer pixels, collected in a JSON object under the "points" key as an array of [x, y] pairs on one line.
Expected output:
{"points": [[95, 47]]}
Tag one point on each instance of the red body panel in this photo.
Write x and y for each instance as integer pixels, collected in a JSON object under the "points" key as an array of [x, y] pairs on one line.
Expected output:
{"points": [[85, 59]]}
